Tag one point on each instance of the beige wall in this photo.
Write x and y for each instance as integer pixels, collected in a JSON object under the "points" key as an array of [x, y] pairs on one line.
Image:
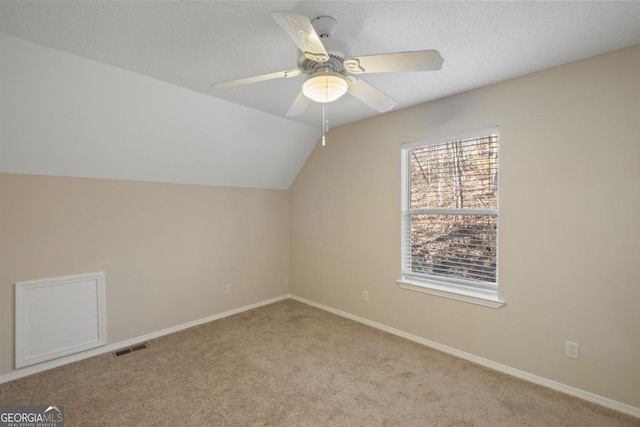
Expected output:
{"points": [[569, 232], [167, 249], [569, 224]]}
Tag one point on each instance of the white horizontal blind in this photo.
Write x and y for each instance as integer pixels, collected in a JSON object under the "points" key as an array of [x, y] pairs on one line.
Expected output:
{"points": [[450, 210]]}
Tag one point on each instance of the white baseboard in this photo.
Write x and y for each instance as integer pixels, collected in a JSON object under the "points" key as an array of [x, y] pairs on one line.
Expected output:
{"points": [[34, 369], [582, 394], [572, 391]]}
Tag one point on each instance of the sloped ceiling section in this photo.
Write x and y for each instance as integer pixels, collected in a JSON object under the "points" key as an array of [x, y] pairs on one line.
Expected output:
{"points": [[70, 108], [196, 43], [61, 114]]}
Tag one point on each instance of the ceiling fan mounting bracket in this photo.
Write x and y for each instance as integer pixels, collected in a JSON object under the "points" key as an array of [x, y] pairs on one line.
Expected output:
{"points": [[325, 26]]}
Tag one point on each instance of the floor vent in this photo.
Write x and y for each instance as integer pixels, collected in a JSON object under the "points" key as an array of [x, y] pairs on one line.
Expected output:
{"points": [[130, 350]]}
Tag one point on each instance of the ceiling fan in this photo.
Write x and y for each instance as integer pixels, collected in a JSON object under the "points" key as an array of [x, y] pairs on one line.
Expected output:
{"points": [[331, 73]]}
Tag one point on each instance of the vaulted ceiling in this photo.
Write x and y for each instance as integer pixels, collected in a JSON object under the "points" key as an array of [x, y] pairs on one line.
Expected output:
{"points": [[192, 44]]}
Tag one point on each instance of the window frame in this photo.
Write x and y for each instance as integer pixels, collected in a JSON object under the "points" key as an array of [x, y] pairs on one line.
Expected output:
{"points": [[482, 293]]}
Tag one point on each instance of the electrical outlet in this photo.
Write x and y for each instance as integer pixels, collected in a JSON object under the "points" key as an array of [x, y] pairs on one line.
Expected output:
{"points": [[227, 288], [571, 349], [365, 295], [286, 284]]}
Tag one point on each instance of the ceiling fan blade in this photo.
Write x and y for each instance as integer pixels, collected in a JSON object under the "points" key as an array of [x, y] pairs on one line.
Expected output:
{"points": [[419, 60], [259, 78], [371, 96], [299, 105], [300, 30]]}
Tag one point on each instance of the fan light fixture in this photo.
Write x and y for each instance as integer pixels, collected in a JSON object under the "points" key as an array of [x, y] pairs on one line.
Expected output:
{"points": [[325, 87]]}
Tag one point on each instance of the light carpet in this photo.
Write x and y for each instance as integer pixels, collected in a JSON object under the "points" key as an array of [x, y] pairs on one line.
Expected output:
{"points": [[290, 364]]}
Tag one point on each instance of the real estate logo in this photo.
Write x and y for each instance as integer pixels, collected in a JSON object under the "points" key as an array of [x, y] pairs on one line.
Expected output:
{"points": [[32, 416]]}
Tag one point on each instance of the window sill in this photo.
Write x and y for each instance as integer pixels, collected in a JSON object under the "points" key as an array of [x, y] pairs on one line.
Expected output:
{"points": [[482, 297]]}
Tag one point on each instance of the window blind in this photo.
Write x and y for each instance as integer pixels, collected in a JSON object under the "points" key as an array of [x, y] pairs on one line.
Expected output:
{"points": [[450, 210]]}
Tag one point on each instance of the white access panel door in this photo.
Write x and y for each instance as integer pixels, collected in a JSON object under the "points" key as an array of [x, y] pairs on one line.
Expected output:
{"points": [[59, 316]]}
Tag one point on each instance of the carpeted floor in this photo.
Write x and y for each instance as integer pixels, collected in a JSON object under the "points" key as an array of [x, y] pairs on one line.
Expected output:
{"points": [[289, 364]]}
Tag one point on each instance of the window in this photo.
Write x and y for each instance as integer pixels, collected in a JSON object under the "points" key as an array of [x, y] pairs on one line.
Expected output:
{"points": [[450, 217]]}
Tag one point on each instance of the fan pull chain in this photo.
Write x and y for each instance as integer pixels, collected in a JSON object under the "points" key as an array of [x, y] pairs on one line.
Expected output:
{"points": [[325, 123]]}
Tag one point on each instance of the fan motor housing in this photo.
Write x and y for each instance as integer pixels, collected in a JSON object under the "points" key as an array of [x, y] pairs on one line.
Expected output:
{"points": [[335, 63]]}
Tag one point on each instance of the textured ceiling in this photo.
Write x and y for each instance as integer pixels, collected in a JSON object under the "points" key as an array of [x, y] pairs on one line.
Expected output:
{"points": [[125, 91], [194, 44]]}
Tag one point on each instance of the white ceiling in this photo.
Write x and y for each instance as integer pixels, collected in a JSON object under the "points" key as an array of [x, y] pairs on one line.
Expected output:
{"points": [[196, 43], [192, 44]]}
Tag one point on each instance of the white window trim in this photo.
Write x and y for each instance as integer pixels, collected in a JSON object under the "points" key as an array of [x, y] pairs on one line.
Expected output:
{"points": [[484, 297], [446, 287]]}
